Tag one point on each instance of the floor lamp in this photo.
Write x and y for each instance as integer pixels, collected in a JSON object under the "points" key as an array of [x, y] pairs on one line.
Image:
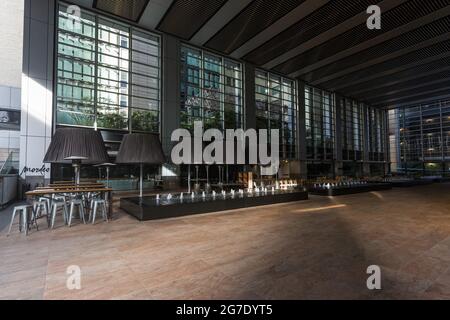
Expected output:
{"points": [[76, 146], [140, 149], [107, 165]]}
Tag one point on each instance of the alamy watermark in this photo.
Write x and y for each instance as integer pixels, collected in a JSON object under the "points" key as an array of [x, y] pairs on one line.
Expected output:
{"points": [[374, 20], [74, 15], [189, 150], [74, 277], [374, 280]]}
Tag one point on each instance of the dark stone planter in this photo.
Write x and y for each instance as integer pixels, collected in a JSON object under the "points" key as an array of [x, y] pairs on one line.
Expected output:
{"points": [[410, 183], [148, 208], [343, 190]]}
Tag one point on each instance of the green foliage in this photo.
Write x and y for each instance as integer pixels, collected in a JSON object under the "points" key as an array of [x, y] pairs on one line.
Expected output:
{"points": [[185, 122], [144, 121], [212, 123], [78, 119], [82, 119], [112, 121]]}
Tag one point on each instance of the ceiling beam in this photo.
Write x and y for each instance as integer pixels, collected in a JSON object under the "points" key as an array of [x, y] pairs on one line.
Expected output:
{"points": [[375, 41], [393, 92], [388, 83], [418, 94], [383, 58], [154, 12], [299, 13], [390, 71], [361, 18], [219, 20], [420, 101]]}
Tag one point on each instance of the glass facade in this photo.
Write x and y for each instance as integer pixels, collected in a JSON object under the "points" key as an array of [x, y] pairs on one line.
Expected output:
{"points": [[352, 126], [319, 118], [108, 74], [320, 111], [211, 90], [420, 138], [108, 77], [276, 108], [376, 124]]}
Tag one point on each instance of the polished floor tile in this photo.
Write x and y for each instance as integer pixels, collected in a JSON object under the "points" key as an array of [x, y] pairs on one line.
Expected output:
{"points": [[316, 249]]}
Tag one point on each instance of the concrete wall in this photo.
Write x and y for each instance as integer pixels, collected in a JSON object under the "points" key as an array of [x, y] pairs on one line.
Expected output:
{"points": [[37, 86], [11, 17], [9, 139], [11, 38]]}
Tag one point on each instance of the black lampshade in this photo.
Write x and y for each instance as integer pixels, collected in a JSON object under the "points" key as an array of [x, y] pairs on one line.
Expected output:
{"points": [[137, 148], [76, 143]]}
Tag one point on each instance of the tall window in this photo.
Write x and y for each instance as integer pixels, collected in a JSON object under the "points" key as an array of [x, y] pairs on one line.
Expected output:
{"points": [[319, 119], [211, 90], [108, 74], [420, 138], [276, 108], [376, 124], [352, 126]]}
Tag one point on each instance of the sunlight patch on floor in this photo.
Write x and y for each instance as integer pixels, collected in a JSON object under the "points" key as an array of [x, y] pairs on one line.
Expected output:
{"points": [[321, 208]]}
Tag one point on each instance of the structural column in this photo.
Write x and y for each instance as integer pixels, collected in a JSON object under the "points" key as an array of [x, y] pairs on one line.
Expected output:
{"points": [[250, 105], [301, 131], [338, 163], [366, 144], [170, 108], [387, 148], [37, 89]]}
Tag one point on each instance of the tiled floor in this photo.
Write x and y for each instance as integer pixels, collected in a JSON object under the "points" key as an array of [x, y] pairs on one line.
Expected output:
{"points": [[320, 248]]}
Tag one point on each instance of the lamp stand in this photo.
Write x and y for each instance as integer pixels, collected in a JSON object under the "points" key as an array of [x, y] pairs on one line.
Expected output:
{"points": [[189, 178], [76, 164], [197, 185], [141, 182], [226, 173], [208, 186], [107, 177]]}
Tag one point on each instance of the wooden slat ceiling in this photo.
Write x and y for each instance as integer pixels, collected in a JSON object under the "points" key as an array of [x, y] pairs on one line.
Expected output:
{"points": [[324, 43]]}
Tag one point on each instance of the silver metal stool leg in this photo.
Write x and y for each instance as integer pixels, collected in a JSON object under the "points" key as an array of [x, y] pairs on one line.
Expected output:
{"points": [[80, 211], [95, 212], [55, 206], [91, 209], [12, 220], [105, 212], [72, 206], [54, 209], [25, 220]]}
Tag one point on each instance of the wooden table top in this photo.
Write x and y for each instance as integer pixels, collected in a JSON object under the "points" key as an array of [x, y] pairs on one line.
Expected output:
{"points": [[87, 186], [41, 192], [73, 184]]}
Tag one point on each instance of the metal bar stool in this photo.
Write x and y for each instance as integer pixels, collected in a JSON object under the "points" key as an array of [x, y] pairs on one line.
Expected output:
{"points": [[73, 203], [59, 204], [23, 218], [41, 206], [95, 204]]}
